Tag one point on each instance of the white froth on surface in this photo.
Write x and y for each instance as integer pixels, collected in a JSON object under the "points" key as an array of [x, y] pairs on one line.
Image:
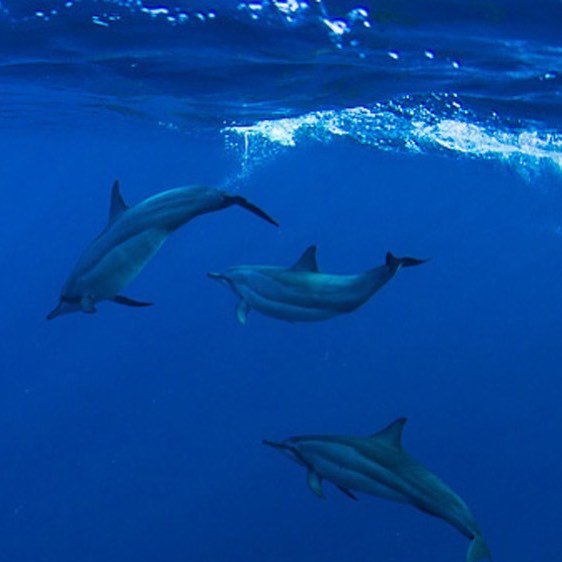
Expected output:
{"points": [[407, 127]]}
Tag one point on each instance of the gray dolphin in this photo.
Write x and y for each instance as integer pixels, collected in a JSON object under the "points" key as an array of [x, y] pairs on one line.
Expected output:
{"points": [[379, 466], [131, 238], [302, 293]]}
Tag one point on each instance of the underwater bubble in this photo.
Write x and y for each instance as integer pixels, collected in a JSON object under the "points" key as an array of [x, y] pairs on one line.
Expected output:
{"points": [[289, 7], [337, 26], [358, 14], [97, 21], [157, 11]]}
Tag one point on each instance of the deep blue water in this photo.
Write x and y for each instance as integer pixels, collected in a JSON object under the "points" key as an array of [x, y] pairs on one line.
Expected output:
{"points": [[135, 434]]}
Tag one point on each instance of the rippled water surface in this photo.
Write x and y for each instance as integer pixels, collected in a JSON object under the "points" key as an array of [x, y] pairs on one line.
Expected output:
{"points": [[480, 78]]}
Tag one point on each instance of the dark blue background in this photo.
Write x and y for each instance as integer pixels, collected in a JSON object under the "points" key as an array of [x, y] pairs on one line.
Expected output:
{"points": [[134, 435]]}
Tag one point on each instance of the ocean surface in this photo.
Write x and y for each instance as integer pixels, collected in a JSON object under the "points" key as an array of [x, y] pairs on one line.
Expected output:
{"points": [[427, 128]]}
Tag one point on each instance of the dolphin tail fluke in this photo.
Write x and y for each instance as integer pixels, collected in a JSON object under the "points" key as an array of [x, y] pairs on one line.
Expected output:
{"points": [[55, 312], [395, 263], [478, 550], [238, 200], [126, 301]]}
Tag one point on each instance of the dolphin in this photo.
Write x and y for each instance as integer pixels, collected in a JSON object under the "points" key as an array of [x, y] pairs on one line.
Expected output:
{"points": [[378, 465], [302, 293], [131, 238]]}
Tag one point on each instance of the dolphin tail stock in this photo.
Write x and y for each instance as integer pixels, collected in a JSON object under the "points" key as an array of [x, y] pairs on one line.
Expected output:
{"points": [[395, 263], [244, 203], [478, 550]]}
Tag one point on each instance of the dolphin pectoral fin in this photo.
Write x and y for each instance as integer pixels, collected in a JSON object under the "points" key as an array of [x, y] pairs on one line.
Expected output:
{"points": [[120, 299], [244, 203], [347, 492], [315, 483], [242, 312], [87, 305], [478, 550]]}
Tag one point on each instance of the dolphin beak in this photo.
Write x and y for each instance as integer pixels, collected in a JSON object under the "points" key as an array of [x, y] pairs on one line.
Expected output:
{"points": [[222, 279], [64, 307], [287, 450], [278, 446]]}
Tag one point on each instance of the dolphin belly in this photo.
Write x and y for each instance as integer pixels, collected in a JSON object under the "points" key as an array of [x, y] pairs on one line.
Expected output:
{"points": [[357, 481], [119, 266], [345, 468], [285, 310]]}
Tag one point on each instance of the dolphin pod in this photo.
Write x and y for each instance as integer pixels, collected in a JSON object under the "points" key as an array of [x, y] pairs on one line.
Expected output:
{"points": [[302, 293], [375, 465], [131, 238], [378, 465]]}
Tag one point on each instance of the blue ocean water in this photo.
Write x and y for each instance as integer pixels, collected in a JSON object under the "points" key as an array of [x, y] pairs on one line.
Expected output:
{"points": [[429, 129]]}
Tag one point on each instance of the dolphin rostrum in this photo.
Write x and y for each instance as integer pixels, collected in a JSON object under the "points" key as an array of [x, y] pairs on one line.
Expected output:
{"points": [[302, 293], [378, 465], [131, 238]]}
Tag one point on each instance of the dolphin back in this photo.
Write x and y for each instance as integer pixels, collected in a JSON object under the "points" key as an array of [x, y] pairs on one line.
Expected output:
{"points": [[478, 550]]}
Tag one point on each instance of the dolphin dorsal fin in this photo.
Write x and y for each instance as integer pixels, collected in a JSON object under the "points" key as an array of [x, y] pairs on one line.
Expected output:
{"points": [[391, 435], [307, 262], [117, 206]]}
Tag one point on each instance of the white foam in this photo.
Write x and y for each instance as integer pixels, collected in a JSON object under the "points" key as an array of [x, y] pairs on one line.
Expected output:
{"points": [[407, 127]]}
